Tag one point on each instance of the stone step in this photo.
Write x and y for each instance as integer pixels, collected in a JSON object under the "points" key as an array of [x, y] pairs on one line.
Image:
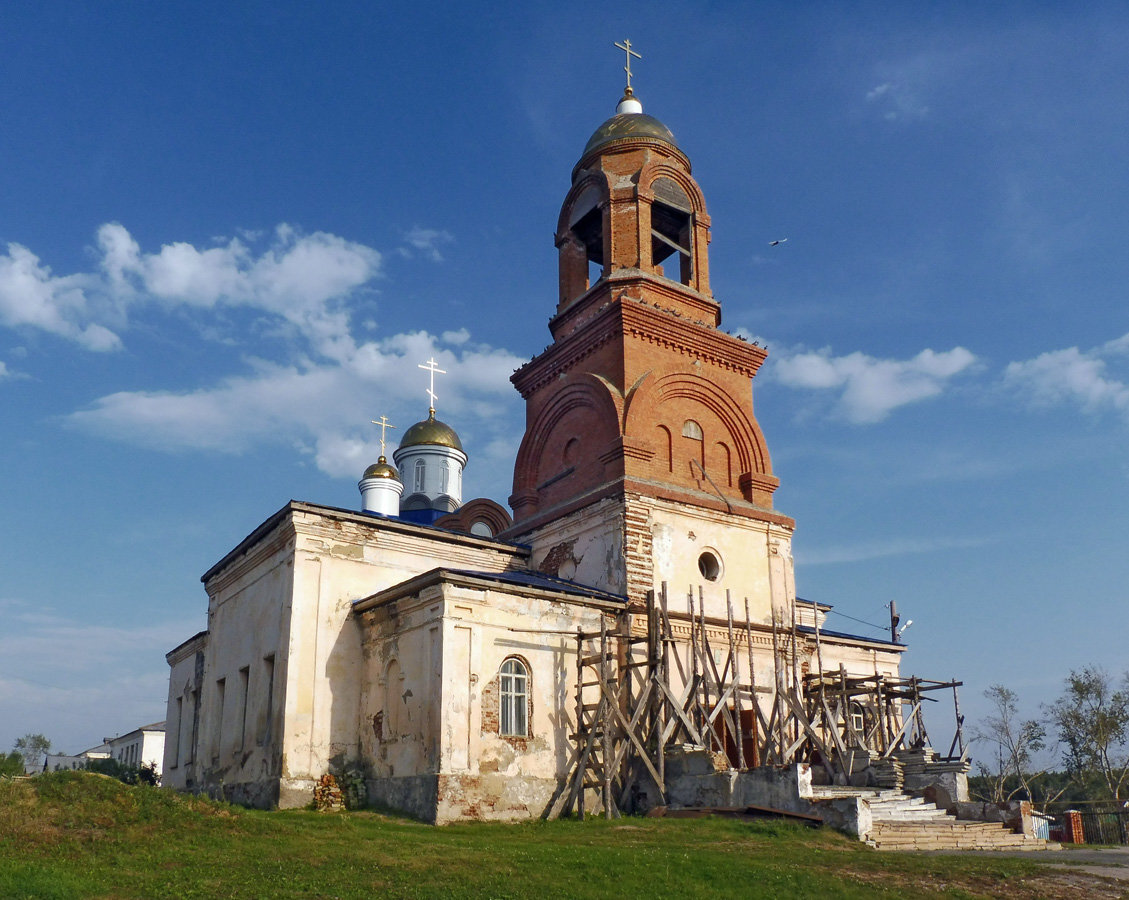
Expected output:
{"points": [[953, 835], [903, 822]]}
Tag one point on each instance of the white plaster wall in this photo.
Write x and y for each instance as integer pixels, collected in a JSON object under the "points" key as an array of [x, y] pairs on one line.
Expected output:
{"points": [[288, 596], [595, 553], [248, 622], [336, 563], [398, 692], [755, 556], [177, 769], [153, 749], [501, 624], [430, 700]]}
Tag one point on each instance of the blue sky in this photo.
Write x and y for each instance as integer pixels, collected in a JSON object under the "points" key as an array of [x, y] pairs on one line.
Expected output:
{"points": [[229, 233]]}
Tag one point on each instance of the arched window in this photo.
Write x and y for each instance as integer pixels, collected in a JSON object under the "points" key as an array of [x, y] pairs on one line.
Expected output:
{"points": [[692, 430], [445, 476], [419, 475], [515, 699]]}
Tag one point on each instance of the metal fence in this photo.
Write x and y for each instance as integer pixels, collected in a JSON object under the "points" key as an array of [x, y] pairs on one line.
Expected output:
{"points": [[1105, 826]]}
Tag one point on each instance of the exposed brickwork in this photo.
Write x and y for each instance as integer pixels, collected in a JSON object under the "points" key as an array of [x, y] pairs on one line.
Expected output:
{"points": [[637, 548], [1073, 827], [557, 555], [637, 356]]}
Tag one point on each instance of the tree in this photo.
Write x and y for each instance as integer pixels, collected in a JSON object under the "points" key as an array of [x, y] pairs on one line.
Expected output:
{"points": [[1092, 717], [12, 764], [33, 747], [1013, 741]]}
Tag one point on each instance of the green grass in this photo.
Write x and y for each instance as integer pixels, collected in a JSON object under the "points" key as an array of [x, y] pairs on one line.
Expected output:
{"points": [[76, 835]]}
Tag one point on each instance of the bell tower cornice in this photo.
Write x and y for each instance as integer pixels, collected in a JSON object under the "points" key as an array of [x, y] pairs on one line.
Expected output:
{"points": [[629, 311]]}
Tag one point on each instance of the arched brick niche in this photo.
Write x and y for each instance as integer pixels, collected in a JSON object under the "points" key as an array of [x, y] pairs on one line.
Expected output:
{"points": [[570, 445], [481, 516], [697, 429]]}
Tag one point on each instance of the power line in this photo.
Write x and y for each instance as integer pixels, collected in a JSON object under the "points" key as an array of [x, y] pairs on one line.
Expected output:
{"points": [[860, 621]]}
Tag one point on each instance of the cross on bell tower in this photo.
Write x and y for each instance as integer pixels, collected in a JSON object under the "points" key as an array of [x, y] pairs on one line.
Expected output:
{"points": [[626, 48]]}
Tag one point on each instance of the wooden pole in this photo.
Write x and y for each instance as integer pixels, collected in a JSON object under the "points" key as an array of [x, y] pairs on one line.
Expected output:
{"points": [[819, 664], [605, 744], [705, 662], [779, 718], [664, 662], [755, 700], [739, 737], [580, 773]]}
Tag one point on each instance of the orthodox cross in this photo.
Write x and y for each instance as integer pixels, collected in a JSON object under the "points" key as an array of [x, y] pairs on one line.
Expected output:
{"points": [[433, 368], [626, 48], [384, 426]]}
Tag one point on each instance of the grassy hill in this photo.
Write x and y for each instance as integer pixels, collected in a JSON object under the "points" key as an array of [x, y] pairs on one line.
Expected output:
{"points": [[78, 835]]}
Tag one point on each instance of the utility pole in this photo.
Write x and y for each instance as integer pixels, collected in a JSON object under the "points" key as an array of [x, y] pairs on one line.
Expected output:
{"points": [[894, 620]]}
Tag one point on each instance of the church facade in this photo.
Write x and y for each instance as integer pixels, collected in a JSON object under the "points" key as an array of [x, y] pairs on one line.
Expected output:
{"points": [[434, 653]]}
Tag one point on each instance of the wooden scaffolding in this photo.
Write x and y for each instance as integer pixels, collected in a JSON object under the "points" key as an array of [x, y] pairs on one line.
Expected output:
{"points": [[642, 690]]}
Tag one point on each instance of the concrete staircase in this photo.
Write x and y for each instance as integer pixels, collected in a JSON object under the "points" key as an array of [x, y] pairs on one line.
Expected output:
{"points": [[902, 822]]}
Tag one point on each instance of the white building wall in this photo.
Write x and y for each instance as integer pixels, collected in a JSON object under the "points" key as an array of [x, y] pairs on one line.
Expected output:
{"points": [[282, 603]]}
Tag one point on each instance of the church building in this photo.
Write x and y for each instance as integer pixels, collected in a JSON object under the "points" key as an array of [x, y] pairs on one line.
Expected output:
{"points": [[458, 661]]}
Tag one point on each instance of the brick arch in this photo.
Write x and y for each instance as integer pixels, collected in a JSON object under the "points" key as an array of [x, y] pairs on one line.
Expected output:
{"points": [[594, 178], [585, 406], [481, 509], [655, 169], [677, 395], [573, 251]]}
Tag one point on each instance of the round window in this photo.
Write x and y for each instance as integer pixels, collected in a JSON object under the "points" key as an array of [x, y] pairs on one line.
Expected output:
{"points": [[709, 565]]}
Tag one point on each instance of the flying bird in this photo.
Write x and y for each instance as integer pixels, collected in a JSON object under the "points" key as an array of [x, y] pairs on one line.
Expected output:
{"points": [[778, 243]]}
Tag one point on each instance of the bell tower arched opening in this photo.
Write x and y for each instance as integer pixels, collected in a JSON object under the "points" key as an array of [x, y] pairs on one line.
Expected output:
{"points": [[672, 231]]}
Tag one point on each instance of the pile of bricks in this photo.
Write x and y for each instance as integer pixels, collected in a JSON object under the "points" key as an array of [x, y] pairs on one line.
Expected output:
{"points": [[327, 795]]}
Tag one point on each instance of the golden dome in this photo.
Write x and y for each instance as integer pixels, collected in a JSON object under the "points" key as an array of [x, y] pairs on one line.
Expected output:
{"points": [[431, 431], [381, 469], [623, 126]]}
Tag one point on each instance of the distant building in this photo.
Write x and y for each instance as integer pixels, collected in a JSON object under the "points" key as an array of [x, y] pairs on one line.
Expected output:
{"points": [[144, 745]]}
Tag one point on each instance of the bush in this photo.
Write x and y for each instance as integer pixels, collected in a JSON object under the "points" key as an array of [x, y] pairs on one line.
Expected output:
{"points": [[12, 764], [146, 773]]}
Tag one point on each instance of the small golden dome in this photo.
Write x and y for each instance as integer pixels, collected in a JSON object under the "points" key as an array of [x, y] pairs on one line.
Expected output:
{"points": [[431, 431], [382, 469]]}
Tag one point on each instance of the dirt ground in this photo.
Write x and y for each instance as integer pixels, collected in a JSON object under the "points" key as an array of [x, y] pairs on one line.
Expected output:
{"points": [[1071, 874]]}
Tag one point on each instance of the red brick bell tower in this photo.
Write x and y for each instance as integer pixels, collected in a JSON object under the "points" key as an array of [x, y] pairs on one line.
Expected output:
{"points": [[640, 399]]}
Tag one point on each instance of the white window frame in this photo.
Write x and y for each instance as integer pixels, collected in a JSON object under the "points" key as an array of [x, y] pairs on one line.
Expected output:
{"points": [[513, 719]]}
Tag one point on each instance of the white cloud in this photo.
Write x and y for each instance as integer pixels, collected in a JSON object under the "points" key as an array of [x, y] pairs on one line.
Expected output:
{"points": [[30, 296], [901, 85], [897, 101], [426, 241], [322, 408], [98, 679], [870, 389], [1073, 376], [304, 280]]}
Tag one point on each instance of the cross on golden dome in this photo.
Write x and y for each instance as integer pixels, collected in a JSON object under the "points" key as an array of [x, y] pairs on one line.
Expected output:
{"points": [[626, 48], [384, 426], [433, 368]]}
